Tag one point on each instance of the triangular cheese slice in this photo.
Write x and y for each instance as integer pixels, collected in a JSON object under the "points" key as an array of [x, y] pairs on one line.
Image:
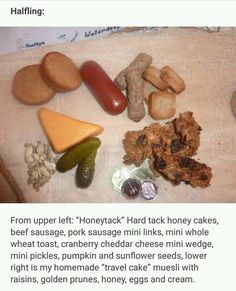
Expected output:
{"points": [[63, 131]]}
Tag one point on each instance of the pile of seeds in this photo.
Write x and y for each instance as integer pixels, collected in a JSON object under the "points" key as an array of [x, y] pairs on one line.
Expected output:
{"points": [[41, 164]]}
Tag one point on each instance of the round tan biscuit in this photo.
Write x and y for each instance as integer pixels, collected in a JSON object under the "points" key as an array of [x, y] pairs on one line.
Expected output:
{"points": [[60, 72], [29, 87]]}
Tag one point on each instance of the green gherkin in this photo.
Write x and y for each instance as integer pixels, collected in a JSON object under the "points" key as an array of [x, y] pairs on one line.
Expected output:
{"points": [[85, 170], [70, 159]]}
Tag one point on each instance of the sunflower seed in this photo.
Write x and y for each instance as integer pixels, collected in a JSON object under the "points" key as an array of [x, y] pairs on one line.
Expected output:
{"points": [[40, 162], [35, 175], [29, 159], [39, 149], [28, 151], [45, 172], [50, 166], [43, 157], [32, 164]]}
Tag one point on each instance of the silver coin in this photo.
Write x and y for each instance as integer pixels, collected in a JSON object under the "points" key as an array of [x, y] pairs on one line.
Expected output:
{"points": [[119, 176], [149, 190], [142, 174]]}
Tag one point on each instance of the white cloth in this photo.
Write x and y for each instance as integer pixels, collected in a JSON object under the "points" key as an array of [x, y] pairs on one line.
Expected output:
{"points": [[206, 61]]}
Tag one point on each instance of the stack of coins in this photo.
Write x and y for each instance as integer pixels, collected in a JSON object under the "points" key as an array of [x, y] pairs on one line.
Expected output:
{"points": [[138, 182]]}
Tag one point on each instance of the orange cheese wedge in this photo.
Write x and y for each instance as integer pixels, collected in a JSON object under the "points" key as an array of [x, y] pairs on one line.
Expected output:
{"points": [[63, 131]]}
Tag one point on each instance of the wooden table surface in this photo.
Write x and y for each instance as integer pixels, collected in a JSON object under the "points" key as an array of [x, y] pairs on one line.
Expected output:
{"points": [[207, 63]]}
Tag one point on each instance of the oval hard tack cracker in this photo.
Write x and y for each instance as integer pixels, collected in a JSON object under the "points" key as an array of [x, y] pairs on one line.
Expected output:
{"points": [[30, 88], [153, 75], [60, 72], [174, 81]]}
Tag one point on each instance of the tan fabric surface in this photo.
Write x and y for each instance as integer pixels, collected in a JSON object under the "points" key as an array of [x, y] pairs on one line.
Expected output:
{"points": [[207, 63]]}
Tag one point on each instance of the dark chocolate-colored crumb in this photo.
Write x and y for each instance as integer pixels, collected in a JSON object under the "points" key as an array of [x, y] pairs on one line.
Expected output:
{"points": [[185, 162], [203, 177], [176, 145], [141, 140], [160, 164], [177, 178]]}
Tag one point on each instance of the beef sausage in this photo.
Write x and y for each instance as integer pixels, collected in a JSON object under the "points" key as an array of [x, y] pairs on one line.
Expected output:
{"points": [[103, 88]]}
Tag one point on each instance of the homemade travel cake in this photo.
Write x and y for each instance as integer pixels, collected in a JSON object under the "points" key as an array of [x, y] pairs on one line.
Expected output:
{"points": [[179, 169], [169, 149]]}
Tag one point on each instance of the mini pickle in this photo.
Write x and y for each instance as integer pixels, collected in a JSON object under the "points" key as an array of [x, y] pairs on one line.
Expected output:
{"points": [[85, 170], [76, 154]]}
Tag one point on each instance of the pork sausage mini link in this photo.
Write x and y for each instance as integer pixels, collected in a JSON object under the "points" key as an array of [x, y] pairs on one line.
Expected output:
{"points": [[108, 95]]}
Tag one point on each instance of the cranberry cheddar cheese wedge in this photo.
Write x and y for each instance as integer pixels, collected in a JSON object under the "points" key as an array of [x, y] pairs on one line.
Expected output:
{"points": [[63, 132]]}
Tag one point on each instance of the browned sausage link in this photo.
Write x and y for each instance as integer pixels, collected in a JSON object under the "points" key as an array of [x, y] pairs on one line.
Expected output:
{"points": [[103, 88]]}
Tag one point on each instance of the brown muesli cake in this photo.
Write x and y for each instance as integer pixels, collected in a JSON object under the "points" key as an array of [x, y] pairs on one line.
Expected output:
{"points": [[179, 169], [175, 143]]}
